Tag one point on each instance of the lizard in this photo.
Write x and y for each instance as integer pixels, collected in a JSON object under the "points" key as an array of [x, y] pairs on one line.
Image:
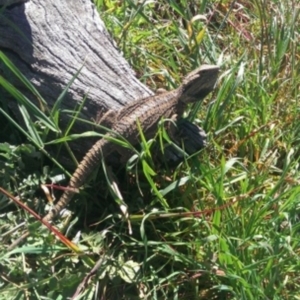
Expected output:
{"points": [[148, 111]]}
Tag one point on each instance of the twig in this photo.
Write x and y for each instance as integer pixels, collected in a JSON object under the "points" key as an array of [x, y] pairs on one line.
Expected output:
{"points": [[85, 280]]}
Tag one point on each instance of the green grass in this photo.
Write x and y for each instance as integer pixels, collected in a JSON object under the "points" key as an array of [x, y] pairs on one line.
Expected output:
{"points": [[225, 222]]}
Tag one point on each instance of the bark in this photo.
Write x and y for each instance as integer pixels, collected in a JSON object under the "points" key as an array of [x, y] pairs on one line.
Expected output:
{"points": [[51, 40]]}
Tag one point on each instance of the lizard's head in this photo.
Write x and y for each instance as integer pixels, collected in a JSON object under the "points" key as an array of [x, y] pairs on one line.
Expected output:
{"points": [[197, 84]]}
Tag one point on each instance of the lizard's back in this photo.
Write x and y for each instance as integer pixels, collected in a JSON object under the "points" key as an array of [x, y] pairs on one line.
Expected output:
{"points": [[148, 112]]}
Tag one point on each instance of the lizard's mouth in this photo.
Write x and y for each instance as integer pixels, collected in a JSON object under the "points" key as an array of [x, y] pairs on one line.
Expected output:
{"points": [[190, 95]]}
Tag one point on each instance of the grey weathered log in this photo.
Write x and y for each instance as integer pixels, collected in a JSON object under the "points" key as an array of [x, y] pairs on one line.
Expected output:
{"points": [[49, 41]]}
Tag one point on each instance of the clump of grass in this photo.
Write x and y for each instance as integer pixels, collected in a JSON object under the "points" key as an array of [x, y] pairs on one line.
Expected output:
{"points": [[229, 230]]}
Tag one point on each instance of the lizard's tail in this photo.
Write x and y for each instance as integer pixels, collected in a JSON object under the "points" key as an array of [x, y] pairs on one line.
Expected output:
{"points": [[83, 171]]}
